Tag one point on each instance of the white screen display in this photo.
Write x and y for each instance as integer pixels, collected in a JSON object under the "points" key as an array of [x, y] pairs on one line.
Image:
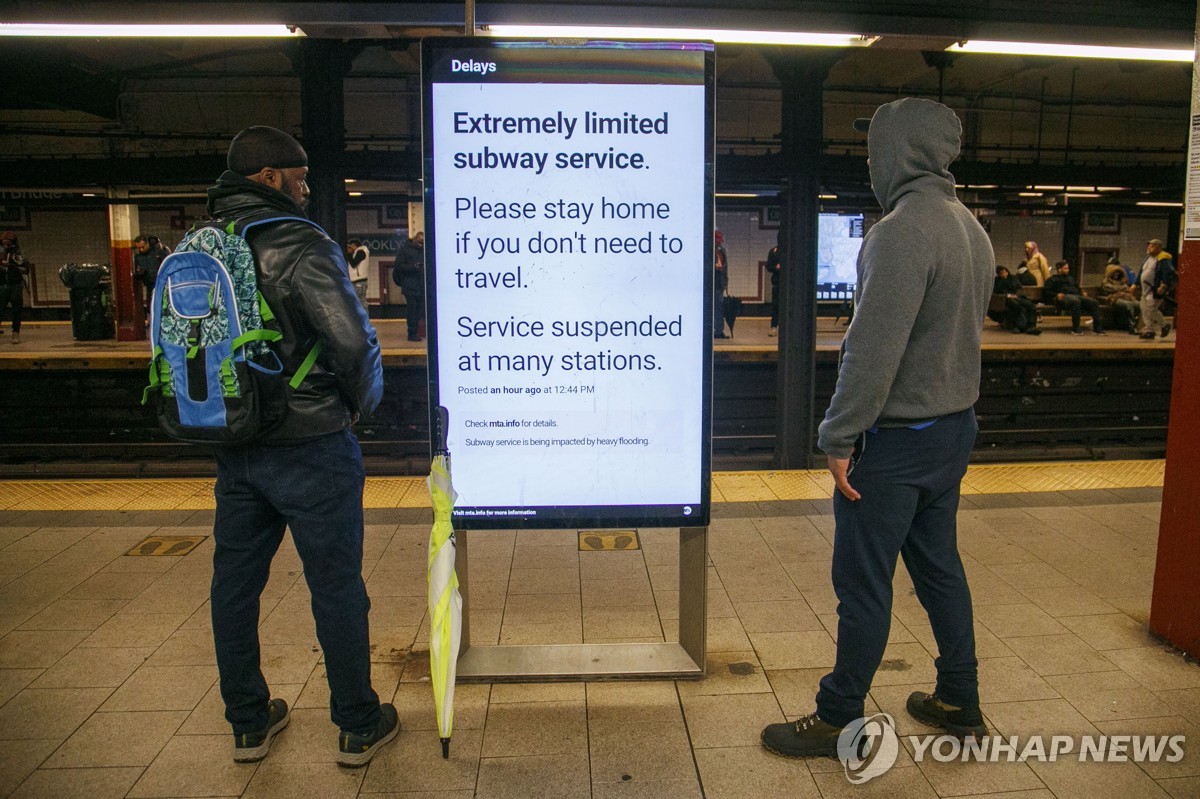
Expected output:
{"points": [[567, 256], [839, 238]]}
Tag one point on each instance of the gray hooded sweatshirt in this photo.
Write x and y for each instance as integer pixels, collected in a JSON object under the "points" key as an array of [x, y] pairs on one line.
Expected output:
{"points": [[924, 282]]}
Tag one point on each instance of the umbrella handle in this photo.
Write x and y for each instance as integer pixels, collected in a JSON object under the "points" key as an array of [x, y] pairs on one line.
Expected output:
{"points": [[445, 748], [441, 425]]}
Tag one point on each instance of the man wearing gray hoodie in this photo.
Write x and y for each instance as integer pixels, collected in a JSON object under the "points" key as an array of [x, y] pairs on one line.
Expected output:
{"points": [[900, 428]]}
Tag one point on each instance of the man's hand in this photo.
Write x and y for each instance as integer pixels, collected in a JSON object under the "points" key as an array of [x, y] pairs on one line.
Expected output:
{"points": [[839, 467]]}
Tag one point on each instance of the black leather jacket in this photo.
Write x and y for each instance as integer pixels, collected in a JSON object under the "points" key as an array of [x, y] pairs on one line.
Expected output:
{"points": [[302, 274]]}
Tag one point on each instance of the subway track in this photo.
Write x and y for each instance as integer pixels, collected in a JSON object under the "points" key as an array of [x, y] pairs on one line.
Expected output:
{"points": [[72, 409]]}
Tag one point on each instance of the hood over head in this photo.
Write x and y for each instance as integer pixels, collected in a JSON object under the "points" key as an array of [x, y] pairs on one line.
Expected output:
{"points": [[911, 143]]}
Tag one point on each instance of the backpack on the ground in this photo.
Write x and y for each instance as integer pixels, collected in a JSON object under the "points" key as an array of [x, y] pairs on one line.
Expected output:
{"points": [[214, 372]]}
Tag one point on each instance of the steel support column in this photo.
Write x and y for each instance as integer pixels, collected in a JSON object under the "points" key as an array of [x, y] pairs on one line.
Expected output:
{"points": [[322, 65], [802, 76]]}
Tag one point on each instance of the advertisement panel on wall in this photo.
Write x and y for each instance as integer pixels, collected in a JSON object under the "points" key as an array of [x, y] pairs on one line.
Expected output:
{"points": [[568, 202]]}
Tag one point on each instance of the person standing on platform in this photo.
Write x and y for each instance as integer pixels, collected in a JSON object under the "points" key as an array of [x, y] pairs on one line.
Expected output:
{"points": [[774, 266], [720, 283], [13, 269], [358, 258], [1063, 291], [148, 255], [900, 428], [409, 274], [1158, 277], [1037, 264], [307, 474]]}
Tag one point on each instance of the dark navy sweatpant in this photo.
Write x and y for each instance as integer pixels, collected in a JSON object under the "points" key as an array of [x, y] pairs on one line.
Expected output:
{"points": [[909, 480]]}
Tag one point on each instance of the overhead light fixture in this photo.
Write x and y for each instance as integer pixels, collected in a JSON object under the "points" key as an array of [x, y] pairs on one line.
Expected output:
{"points": [[57, 30], [826, 196], [351, 180], [1082, 194], [1153, 204], [1060, 50], [721, 36], [89, 194], [1049, 188], [355, 193], [1113, 188], [1029, 194], [982, 186], [735, 195]]}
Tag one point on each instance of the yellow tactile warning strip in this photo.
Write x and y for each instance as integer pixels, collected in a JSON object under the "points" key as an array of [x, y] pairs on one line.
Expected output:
{"points": [[164, 545], [608, 541], [410, 492]]}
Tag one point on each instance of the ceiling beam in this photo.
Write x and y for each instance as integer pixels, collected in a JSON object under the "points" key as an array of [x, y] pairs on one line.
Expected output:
{"points": [[751, 170]]}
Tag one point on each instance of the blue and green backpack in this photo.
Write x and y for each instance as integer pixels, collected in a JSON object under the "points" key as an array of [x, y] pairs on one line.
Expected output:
{"points": [[215, 376]]}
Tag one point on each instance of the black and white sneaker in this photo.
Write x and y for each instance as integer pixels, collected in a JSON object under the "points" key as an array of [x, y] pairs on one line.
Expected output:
{"points": [[355, 751], [251, 747]]}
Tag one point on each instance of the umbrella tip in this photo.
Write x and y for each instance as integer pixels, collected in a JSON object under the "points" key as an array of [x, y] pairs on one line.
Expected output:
{"points": [[445, 748]]}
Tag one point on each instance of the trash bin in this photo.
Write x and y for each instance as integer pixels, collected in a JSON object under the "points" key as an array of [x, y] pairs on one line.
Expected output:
{"points": [[91, 300]]}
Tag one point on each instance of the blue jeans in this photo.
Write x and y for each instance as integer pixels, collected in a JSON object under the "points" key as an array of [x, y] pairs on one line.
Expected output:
{"points": [[314, 488], [909, 480]]}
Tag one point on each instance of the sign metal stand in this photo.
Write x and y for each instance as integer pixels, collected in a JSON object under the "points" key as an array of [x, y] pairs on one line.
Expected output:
{"points": [[683, 659]]}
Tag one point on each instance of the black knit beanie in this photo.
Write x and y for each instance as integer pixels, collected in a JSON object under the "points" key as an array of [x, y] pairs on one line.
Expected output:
{"points": [[260, 146]]}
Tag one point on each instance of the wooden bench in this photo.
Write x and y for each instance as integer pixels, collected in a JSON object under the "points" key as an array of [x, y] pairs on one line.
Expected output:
{"points": [[1034, 293]]}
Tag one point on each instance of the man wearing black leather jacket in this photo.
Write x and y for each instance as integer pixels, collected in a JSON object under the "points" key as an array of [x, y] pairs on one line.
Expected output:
{"points": [[307, 475]]}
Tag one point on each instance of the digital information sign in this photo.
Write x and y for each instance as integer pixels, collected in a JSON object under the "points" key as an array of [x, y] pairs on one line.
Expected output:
{"points": [[568, 209]]}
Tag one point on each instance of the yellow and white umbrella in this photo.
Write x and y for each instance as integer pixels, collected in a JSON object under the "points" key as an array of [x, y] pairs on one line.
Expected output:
{"points": [[445, 603]]}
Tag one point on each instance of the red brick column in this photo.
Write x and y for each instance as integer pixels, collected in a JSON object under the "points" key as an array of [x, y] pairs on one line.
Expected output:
{"points": [[122, 227], [1175, 607]]}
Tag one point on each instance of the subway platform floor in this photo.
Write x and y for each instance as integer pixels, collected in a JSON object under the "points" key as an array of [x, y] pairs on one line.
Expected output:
{"points": [[108, 681]]}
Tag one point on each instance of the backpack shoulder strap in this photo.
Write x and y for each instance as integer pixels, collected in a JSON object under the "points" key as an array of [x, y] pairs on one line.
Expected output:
{"points": [[241, 226]]}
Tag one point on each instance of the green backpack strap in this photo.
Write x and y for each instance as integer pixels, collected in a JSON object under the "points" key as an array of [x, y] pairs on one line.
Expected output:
{"points": [[154, 380], [265, 310], [160, 376], [262, 334], [306, 366]]}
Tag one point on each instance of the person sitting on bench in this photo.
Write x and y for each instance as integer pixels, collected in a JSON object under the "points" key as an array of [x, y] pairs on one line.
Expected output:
{"points": [[1062, 290], [1116, 291], [1019, 314]]}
